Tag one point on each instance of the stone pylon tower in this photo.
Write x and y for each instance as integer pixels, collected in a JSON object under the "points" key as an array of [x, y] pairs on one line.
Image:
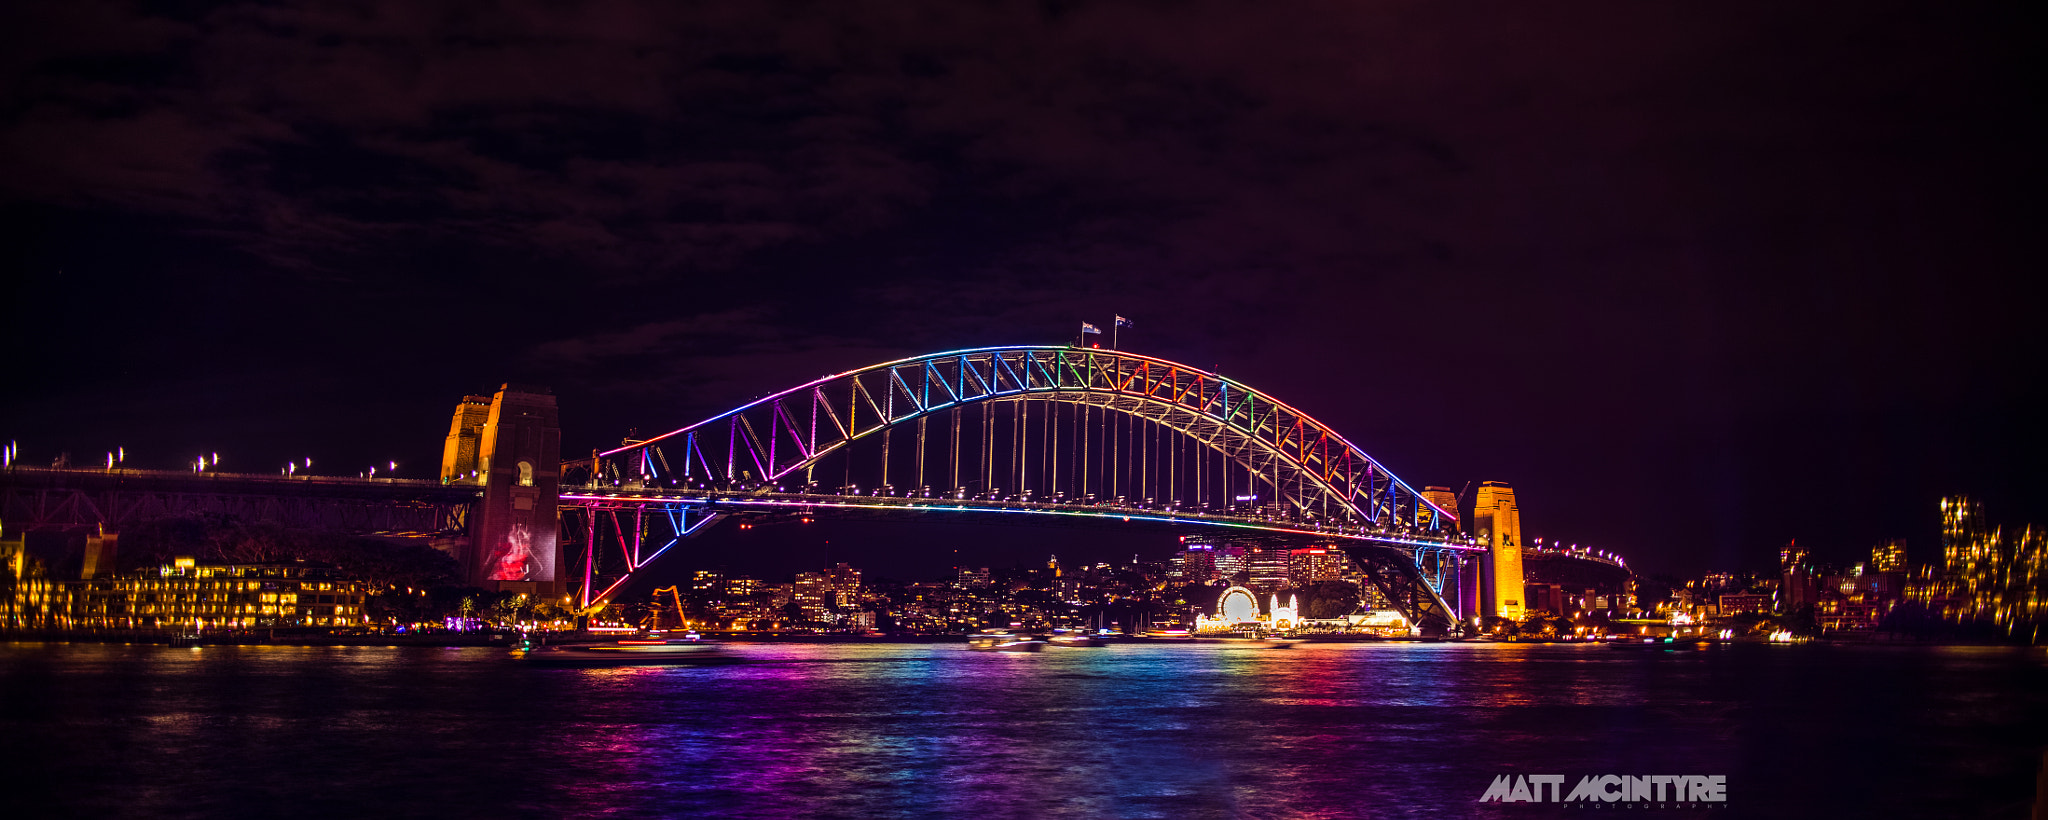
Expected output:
{"points": [[519, 465], [465, 440], [1498, 524]]}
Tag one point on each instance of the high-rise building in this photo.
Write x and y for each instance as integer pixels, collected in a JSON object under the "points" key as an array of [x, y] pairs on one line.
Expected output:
{"points": [[1994, 574], [1497, 522], [1232, 559], [1965, 539], [1444, 500], [1314, 564], [845, 583], [1269, 567], [813, 595], [971, 577], [1889, 556], [822, 595], [1196, 564]]}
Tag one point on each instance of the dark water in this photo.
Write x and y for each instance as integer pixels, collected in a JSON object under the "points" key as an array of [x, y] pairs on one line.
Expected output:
{"points": [[937, 731]]}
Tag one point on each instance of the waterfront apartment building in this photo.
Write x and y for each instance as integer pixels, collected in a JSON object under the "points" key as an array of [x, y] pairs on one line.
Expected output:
{"points": [[1497, 522], [818, 594], [186, 594]]}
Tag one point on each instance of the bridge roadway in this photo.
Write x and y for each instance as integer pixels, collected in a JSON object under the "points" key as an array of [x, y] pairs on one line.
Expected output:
{"points": [[771, 501], [59, 498]]}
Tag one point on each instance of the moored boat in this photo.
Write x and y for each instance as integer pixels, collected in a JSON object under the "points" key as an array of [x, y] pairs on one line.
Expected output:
{"points": [[632, 652]]}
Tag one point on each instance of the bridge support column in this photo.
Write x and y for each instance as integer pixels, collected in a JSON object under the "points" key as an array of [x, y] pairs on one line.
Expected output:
{"points": [[515, 530]]}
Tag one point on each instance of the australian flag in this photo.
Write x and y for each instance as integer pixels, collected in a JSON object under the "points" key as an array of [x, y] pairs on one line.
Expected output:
{"points": [[1088, 328], [1122, 322]]}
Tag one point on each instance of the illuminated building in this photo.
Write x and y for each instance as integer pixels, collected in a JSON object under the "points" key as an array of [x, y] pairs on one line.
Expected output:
{"points": [[1271, 567], [1231, 559], [820, 594], [1796, 569], [1196, 564], [515, 526], [1988, 575], [1445, 500], [971, 577], [189, 595], [31, 596], [1889, 556], [465, 440], [1314, 564], [1745, 603], [1497, 522]]}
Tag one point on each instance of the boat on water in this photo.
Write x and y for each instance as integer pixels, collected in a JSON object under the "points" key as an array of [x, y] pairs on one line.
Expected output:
{"points": [[632, 652], [1256, 643], [1076, 639], [1004, 642]]}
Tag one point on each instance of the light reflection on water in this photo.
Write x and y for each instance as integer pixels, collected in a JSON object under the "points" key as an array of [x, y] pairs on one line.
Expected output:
{"points": [[1387, 730]]}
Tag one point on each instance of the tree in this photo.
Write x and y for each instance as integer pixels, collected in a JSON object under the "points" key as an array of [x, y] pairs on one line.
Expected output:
{"points": [[1329, 599], [1537, 623]]}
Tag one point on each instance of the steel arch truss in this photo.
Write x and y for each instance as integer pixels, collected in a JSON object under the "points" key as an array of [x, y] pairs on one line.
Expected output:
{"points": [[747, 461], [1316, 473], [619, 536]]}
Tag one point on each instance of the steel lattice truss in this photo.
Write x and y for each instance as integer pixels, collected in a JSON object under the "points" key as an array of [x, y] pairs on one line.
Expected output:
{"points": [[1314, 471], [1063, 433]]}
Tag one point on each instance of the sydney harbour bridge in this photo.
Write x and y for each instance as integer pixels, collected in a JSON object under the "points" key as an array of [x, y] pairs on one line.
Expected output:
{"points": [[1032, 432], [1024, 434]]}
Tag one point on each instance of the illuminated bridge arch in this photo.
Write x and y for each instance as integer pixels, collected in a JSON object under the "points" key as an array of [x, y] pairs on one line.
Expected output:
{"points": [[1314, 473], [1048, 430]]}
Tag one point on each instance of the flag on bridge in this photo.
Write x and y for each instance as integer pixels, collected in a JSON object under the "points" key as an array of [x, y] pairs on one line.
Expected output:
{"points": [[1088, 328], [1123, 322]]}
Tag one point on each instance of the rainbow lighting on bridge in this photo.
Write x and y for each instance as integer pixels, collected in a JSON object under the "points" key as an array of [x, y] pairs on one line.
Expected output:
{"points": [[1054, 432]]}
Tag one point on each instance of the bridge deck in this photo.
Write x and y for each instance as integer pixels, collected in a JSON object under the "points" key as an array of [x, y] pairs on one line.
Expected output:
{"points": [[766, 501]]}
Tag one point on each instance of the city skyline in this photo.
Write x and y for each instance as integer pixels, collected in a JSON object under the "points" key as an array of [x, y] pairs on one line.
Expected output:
{"points": [[1680, 300], [1022, 408]]}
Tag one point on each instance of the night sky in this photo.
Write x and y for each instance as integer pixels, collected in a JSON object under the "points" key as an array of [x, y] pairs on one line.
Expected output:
{"points": [[1696, 279]]}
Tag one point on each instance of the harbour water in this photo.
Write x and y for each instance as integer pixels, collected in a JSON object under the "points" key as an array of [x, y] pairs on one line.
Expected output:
{"points": [[896, 730]]}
